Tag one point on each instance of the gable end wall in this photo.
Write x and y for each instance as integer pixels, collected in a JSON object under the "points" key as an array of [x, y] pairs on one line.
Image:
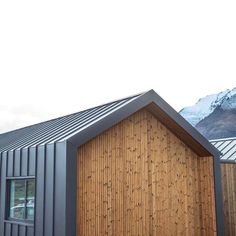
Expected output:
{"points": [[138, 178]]}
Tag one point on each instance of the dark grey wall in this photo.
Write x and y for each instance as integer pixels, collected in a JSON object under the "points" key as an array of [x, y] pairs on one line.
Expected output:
{"points": [[14, 164], [54, 168]]}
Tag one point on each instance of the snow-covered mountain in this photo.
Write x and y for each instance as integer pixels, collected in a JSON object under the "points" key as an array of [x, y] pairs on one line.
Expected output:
{"points": [[206, 105], [214, 115]]}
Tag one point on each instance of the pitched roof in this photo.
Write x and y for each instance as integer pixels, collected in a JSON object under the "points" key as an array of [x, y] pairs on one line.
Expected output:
{"points": [[57, 129], [80, 127], [227, 147]]}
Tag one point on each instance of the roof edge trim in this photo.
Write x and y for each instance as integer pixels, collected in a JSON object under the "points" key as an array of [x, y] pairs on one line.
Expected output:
{"points": [[140, 102]]}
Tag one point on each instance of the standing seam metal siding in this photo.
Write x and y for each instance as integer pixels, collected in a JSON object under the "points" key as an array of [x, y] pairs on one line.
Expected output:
{"points": [[14, 164], [49, 164]]}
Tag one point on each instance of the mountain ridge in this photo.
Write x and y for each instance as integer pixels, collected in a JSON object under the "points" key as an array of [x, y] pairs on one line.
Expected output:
{"points": [[214, 115]]}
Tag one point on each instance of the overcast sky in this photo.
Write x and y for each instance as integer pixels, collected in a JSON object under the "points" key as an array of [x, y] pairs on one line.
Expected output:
{"points": [[58, 57]]}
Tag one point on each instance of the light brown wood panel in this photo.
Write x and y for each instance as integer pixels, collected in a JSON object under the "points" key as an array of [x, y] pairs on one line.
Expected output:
{"points": [[228, 176], [138, 178]]}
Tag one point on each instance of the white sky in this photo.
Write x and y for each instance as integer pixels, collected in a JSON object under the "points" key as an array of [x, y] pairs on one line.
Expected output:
{"points": [[58, 57]]}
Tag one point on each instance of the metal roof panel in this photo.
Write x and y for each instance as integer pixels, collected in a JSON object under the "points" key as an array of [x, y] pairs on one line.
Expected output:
{"points": [[227, 147], [59, 128]]}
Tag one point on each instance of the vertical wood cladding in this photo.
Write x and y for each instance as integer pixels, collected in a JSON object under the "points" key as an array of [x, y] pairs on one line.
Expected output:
{"points": [[138, 178], [228, 174]]}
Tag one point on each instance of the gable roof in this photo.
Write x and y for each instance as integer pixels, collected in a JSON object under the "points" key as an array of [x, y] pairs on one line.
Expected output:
{"points": [[82, 126], [58, 129], [227, 147]]}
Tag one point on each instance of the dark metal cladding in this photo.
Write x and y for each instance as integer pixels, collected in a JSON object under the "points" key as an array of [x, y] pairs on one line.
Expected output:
{"points": [[55, 173], [10, 163], [0, 183], [40, 185], [65, 189], [17, 163], [32, 161], [15, 229], [8, 229], [0, 190], [22, 230], [30, 231], [9, 171], [24, 162], [3, 193], [49, 189], [71, 189]]}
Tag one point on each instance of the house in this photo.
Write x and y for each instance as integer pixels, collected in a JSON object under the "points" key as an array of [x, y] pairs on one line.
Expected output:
{"points": [[129, 167], [227, 147]]}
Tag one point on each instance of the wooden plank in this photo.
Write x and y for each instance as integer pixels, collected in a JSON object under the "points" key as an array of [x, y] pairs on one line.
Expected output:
{"points": [[228, 176]]}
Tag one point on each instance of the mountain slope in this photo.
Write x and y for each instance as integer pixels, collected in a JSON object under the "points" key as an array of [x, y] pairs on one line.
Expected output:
{"points": [[214, 115], [219, 124]]}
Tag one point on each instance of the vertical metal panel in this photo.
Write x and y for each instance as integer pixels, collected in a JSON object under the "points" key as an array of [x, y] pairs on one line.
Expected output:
{"points": [[3, 192], [15, 229], [0, 190], [22, 230], [56, 190], [71, 189], [17, 162], [60, 190], [40, 176], [49, 190], [24, 162], [30, 231], [10, 163], [0, 179], [32, 161], [0, 174], [8, 231]]}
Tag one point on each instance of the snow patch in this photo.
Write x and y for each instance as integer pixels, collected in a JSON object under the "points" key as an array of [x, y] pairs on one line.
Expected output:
{"points": [[206, 105]]}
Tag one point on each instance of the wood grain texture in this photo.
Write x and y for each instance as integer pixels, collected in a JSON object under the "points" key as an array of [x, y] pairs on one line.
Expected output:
{"points": [[228, 176], [138, 178]]}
